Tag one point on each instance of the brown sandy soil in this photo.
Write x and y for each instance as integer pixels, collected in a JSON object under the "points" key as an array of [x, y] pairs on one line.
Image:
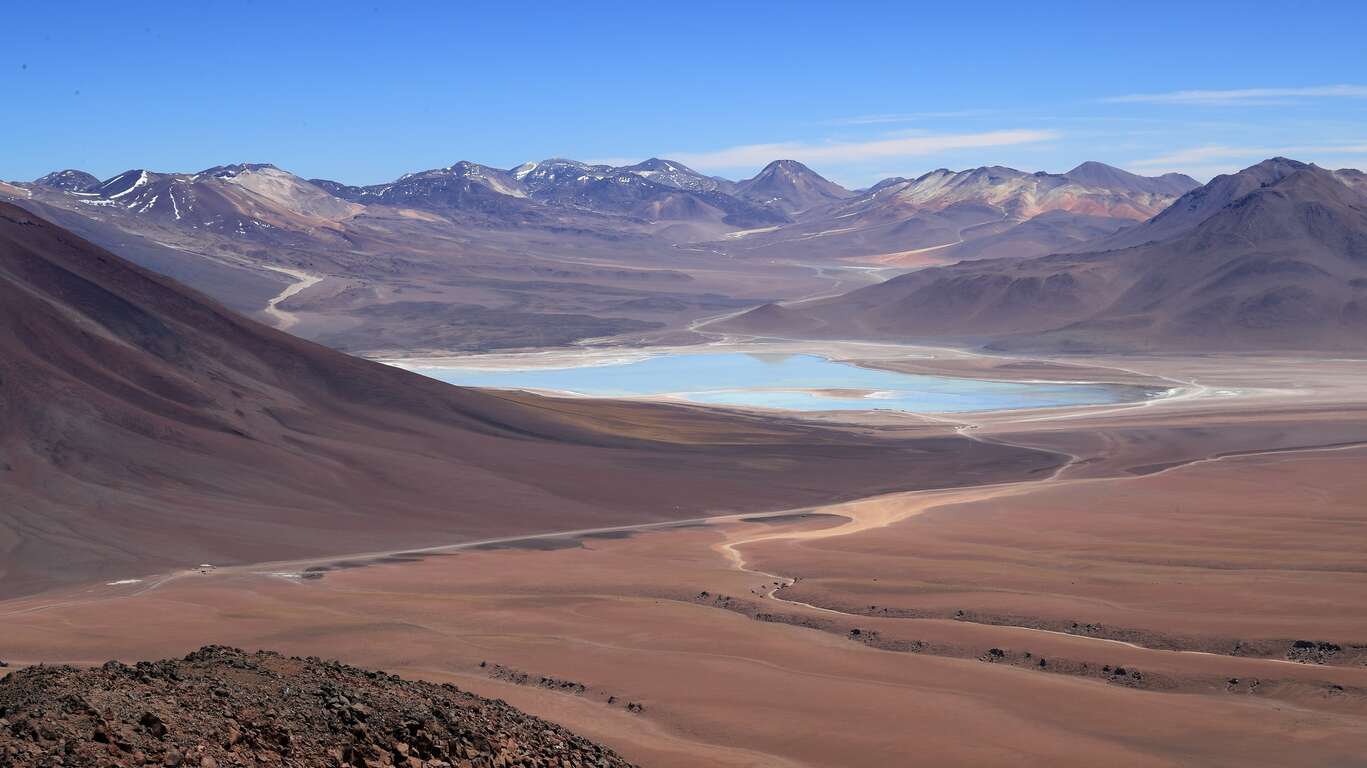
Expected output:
{"points": [[1253, 548], [624, 618], [1242, 556], [1190, 587]]}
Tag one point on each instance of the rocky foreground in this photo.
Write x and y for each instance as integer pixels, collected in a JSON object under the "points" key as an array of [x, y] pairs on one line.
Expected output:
{"points": [[221, 707]]}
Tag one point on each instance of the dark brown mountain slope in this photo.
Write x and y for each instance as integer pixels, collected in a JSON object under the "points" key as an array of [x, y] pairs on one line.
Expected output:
{"points": [[144, 427], [791, 186], [1280, 264], [1094, 174], [1283, 267], [1199, 204]]}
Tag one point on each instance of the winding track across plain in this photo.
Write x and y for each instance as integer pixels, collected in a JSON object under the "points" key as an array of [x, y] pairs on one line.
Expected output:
{"points": [[285, 320], [880, 512]]}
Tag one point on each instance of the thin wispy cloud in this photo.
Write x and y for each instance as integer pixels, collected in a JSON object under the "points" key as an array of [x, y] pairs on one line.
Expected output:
{"points": [[910, 117], [1221, 152], [1195, 155], [1243, 96], [1212, 160], [751, 155]]}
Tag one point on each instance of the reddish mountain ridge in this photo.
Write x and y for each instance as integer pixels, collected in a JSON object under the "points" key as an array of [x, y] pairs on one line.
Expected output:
{"points": [[986, 212], [1274, 257], [144, 427], [1091, 189]]}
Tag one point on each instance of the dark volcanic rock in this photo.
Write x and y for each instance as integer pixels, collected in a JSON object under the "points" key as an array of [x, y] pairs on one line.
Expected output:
{"points": [[1312, 652], [225, 707], [69, 180], [791, 186]]}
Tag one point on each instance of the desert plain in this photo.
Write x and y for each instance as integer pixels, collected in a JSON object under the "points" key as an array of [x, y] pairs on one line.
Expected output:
{"points": [[1181, 582]]}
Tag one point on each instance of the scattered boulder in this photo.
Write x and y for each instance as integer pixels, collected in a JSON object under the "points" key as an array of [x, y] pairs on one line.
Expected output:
{"points": [[567, 686], [153, 724], [1123, 675], [1312, 652], [993, 655]]}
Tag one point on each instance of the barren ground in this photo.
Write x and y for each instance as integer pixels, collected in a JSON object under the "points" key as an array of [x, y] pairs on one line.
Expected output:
{"points": [[1187, 590]]}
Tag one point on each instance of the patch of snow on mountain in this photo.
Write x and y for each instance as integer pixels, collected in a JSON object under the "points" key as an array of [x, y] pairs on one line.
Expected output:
{"points": [[142, 179]]}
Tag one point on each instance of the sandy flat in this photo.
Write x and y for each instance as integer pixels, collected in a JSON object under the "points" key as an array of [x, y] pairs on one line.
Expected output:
{"points": [[1163, 575]]}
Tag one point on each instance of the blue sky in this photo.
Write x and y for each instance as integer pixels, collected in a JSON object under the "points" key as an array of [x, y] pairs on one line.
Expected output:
{"points": [[363, 92]]}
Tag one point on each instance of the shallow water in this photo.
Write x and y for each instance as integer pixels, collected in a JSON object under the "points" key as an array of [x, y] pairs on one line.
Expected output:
{"points": [[789, 381]]}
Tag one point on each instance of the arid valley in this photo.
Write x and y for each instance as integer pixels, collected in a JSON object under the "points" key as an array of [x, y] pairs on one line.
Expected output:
{"points": [[1189, 562], [894, 385]]}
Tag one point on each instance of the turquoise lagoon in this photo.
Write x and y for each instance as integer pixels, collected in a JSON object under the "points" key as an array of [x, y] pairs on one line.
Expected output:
{"points": [[800, 382]]}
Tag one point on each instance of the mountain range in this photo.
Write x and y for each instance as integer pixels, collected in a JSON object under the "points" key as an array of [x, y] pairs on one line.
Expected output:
{"points": [[947, 215], [1273, 257], [471, 257], [653, 191]]}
